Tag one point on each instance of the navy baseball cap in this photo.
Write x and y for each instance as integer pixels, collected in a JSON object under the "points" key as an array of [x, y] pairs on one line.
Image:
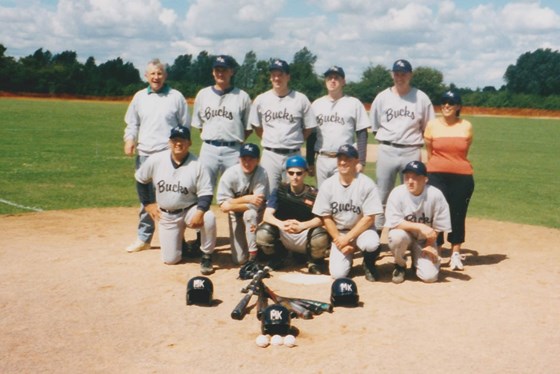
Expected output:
{"points": [[180, 132], [279, 65], [335, 70], [250, 149], [347, 150], [224, 61], [416, 167], [451, 97], [402, 66]]}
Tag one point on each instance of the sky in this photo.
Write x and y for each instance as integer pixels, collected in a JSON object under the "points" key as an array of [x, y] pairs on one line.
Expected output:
{"points": [[472, 42]]}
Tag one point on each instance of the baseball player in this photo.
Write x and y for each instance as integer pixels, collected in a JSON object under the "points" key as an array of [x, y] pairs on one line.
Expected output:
{"points": [[340, 120], [151, 114], [183, 198], [399, 116], [221, 112], [242, 193], [289, 221], [348, 203], [416, 212], [283, 119]]}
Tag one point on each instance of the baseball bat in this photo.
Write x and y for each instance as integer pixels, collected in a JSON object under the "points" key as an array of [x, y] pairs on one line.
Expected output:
{"points": [[255, 279], [314, 304], [239, 311], [262, 301], [295, 308]]}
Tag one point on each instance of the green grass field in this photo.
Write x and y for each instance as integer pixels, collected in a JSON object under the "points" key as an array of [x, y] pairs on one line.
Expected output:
{"points": [[58, 154]]}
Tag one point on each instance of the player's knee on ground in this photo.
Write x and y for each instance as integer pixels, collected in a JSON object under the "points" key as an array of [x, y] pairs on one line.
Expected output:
{"points": [[426, 270], [318, 244], [267, 235]]}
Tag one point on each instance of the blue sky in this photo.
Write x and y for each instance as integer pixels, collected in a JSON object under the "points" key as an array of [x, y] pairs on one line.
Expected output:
{"points": [[471, 42]]}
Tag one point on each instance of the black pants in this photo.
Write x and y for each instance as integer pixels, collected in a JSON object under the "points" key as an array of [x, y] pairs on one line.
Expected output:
{"points": [[457, 190]]}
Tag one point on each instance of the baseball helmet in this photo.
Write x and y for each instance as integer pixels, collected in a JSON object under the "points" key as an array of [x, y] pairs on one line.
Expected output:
{"points": [[199, 291], [275, 320], [296, 162], [344, 291]]}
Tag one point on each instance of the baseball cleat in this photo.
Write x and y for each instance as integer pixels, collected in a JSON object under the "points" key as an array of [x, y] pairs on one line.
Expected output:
{"points": [[206, 267], [398, 274], [137, 246]]}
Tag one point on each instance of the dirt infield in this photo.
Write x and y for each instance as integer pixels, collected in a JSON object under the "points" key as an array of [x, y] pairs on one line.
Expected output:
{"points": [[73, 300]]}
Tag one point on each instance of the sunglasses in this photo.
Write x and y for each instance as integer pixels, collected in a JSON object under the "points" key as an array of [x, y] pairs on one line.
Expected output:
{"points": [[298, 173], [450, 102]]}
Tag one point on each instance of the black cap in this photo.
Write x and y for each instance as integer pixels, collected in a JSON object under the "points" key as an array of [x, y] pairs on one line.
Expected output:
{"points": [[402, 66], [250, 149], [347, 150], [416, 167], [224, 61], [335, 70], [451, 97], [279, 65], [180, 132]]}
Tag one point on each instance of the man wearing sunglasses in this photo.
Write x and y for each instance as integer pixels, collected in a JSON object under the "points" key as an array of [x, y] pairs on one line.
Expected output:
{"points": [[289, 222], [348, 202]]}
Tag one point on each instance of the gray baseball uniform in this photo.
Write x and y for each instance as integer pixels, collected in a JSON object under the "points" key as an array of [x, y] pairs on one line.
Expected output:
{"points": [[347, 205], [337, 123], [399, 123], [177, 190], [429, 208], [235, 183], [149, 119], [223, 118], [282, 120]]}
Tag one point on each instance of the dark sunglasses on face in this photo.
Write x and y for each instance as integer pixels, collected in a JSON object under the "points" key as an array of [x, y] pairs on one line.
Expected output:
{"points": [[298, 173]]}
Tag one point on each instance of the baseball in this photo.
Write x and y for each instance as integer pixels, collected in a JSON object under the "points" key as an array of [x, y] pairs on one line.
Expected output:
{"points": [[262, 341], [289, 341], [276, 340]]}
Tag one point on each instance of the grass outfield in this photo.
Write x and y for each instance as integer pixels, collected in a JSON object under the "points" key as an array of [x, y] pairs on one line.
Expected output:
{"points": [[58, 154]]}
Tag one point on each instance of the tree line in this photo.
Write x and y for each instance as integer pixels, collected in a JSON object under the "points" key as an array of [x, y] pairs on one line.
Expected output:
{"points": [[532, 82]]}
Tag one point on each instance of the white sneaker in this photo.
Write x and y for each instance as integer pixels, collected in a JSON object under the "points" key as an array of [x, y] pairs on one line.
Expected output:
{"points": [[137, 246], [456, 262]]}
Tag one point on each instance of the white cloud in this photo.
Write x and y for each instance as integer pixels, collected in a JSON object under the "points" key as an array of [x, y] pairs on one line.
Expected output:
{"points": [[472, 44]]}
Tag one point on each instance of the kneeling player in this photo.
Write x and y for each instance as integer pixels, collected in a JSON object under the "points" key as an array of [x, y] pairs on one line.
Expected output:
{"points": [[288, 220]]}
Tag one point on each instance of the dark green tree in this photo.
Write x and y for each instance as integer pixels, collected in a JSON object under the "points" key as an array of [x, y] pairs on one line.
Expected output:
{"points": [[374, 80], [430, 81], [246, 75], [536, 73], [303, 77]]}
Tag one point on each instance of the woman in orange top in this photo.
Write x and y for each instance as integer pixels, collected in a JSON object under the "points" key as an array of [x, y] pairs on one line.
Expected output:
{"points": [[448, 140]]}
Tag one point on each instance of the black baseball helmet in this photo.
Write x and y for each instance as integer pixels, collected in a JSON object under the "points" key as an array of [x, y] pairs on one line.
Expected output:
{"points": [[275, 320], [200, 291], [344, 291]]}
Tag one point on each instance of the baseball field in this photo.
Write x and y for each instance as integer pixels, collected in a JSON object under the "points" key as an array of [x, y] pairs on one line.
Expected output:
{"points": [[74, 301]]}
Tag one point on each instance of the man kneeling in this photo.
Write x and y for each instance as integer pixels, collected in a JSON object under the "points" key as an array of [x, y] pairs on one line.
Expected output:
{"points": [[288, 220]]}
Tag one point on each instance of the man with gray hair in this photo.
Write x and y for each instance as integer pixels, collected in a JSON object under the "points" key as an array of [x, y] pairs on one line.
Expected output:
{"points": [[150, 116]]}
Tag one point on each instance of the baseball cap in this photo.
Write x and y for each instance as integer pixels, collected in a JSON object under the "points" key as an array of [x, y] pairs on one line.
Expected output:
{"points": [[402, 66], [335, 70], [250, 149], [279, 65], [180, 132], [224, 61], [451, 97], [416, 167], [347, 150]]}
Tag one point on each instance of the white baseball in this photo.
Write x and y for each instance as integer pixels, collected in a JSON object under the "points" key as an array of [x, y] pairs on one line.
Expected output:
{"points": [[289, 341], [262, 341], [276, 340]]}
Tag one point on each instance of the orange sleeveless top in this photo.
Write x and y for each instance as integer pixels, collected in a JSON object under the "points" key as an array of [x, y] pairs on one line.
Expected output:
{"points": [[450, 147]]}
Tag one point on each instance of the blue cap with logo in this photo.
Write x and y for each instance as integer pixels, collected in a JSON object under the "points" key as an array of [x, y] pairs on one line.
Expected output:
{"points": [[347, 150], [335, 70], [180, 132], [416, 167], [402, 66], [250, 149], [279, 65], [451, 97], [224, 61]]}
